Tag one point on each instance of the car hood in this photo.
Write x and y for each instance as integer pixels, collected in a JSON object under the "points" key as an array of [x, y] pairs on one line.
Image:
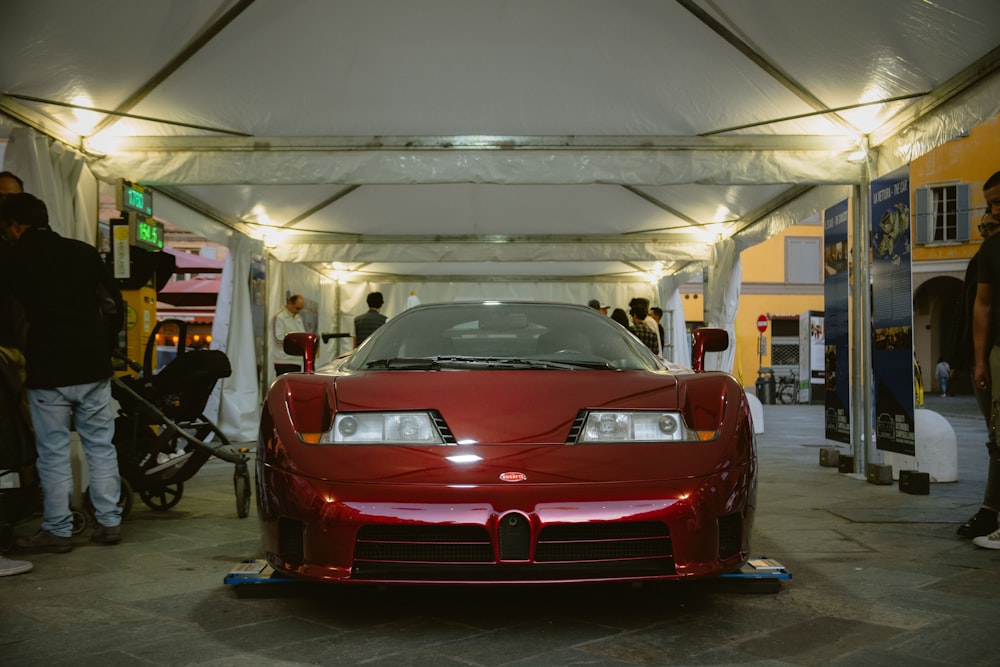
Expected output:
{"points": [[498, 406], [518, 422]]}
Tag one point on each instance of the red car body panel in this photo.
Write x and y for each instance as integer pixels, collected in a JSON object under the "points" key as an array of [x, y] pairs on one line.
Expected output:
{"points": [[414, 514]]}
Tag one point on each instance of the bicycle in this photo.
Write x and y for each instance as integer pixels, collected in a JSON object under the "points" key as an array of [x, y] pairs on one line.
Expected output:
{"points": [[787, 389]]}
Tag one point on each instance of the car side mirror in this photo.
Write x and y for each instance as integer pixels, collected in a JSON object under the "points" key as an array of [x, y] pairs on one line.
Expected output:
{"points": [[707, 339], [304, 345]]}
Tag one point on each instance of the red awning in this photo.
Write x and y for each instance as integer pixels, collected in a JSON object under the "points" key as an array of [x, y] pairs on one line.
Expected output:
{"points": [[188, 262], [193, 292]]}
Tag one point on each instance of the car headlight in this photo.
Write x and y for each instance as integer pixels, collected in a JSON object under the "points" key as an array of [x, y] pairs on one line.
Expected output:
{"points": [[639, 426], [379, 428]]}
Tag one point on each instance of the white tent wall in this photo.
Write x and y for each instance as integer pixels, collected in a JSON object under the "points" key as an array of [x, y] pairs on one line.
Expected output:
{"points": [[236, 399], [51, 172]]}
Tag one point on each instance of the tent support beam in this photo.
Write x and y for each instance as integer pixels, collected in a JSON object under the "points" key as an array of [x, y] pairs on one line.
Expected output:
{"points": [[196, 44], [770, 68], [466, 278], [414, 143], [662, 205]]}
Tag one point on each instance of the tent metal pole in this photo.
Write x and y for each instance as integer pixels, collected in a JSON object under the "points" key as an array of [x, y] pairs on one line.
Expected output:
{"points": [[861, 396]]}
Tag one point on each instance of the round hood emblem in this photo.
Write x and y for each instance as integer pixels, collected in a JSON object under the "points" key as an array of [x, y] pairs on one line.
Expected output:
{"points": [[513, 476]]}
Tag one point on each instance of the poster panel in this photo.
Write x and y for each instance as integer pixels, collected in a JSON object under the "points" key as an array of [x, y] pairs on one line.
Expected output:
{"points": [[892, 314], [836, 348]]}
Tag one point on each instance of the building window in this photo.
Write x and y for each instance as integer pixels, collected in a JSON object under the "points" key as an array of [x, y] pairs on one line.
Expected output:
{"points": [[803, 259], [942, 214]]}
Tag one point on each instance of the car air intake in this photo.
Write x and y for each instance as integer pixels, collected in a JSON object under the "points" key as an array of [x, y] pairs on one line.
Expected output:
{"points": [[290, 541], [514, 537], [730, 535]]}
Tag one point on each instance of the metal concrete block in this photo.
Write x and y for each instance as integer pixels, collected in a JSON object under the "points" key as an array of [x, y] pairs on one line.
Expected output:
{"points": [[915, 482], [879, 474], [846, 464], [829, 457]]}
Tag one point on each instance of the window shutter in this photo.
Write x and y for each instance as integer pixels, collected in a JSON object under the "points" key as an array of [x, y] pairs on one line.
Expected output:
{"points": [[921, 221], [964, 218]]}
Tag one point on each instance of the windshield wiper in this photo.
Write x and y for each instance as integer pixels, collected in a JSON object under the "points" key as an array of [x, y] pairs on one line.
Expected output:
{"points": [[517, 362], [404, 363]]}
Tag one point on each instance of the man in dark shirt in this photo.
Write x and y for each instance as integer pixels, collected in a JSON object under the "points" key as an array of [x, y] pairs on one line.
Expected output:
{"points": [[986, 376], [74, 313], [365, 325]]}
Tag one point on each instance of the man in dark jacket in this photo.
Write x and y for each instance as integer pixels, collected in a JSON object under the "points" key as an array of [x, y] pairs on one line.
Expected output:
{"points": [[365, 325], [74, 312]]}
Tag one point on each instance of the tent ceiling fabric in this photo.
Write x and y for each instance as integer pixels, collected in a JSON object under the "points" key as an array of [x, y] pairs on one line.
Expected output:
{"points": [[581, 139]]}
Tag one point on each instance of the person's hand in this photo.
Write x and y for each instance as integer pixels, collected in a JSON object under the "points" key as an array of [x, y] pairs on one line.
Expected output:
{"points": [[982, 375]]}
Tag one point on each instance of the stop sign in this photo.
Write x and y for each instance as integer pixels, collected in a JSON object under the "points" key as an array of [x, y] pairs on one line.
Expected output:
{"points": [[762, 324]]}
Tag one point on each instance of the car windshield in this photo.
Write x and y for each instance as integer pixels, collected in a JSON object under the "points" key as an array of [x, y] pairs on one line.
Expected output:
{"points": [[506, 336]]}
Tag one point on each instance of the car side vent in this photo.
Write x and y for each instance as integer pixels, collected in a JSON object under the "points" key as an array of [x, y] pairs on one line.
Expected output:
{"points": [[574, 431], [730, 535], [442, 428], [290, 541]]}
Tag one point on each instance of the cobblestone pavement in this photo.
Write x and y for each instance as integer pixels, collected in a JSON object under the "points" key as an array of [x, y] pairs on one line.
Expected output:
{"points": [[878, 578]]}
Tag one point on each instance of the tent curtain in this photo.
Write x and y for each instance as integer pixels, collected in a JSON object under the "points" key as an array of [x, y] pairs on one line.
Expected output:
{"points": [[51, 172], [236, 399], [668, 290], [725, 275]]}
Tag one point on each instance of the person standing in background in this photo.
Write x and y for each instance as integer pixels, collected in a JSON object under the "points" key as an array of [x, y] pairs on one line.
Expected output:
{"points": [[943, 370], [367, 324], [286, 321]]}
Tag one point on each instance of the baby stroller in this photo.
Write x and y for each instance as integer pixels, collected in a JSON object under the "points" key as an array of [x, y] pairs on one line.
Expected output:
{"points": [[161, 430]]}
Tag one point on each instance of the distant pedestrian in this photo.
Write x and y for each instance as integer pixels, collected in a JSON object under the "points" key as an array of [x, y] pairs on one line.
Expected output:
{"points": [[367, 324], [620, 316], [286, 321], [641, 330], [943, 370]]}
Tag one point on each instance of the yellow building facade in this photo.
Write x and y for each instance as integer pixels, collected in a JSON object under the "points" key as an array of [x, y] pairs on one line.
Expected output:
{"points": [[961, 165], [766, 290]]}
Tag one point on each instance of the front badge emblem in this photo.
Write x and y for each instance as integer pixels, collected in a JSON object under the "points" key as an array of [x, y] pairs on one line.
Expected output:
{"points": [[513, 476]]}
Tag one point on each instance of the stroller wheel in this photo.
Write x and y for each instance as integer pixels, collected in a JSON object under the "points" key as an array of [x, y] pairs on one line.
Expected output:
{"points": [[241, 484], [79, 522], [125, 500], [162, 497]]}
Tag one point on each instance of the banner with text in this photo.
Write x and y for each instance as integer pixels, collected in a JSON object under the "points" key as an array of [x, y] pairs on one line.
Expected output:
{"points": [[836, 350], [892, 314]]}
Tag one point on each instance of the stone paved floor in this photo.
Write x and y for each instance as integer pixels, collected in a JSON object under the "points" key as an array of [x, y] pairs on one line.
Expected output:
{"points": [[879, 578]]}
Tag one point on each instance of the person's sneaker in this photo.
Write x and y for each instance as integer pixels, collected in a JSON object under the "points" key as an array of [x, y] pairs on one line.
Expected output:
{"points": [[9, 566], [43, 540], [991, 541], [106, 535], [982, 522]]}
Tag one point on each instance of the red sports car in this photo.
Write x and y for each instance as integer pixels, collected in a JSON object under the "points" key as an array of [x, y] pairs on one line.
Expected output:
{"points": [[505, 442]]}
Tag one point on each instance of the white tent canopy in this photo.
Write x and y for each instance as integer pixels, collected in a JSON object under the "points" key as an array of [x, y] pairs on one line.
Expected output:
{"points": [[594, 143]]}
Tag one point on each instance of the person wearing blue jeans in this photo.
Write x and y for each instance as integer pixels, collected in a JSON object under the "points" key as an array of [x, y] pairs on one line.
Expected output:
{"points": [[90, 406], [74, 312]]}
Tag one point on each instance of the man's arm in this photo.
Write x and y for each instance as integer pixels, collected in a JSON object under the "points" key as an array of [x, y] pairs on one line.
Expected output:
{"points": [[278, 329], [982, 333]]}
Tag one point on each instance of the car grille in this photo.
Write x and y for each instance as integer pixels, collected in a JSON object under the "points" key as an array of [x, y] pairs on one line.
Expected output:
{"points": [[562, 551]]}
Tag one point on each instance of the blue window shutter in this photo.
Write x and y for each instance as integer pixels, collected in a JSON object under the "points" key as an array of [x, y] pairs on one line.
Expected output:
{"points": [[964, 218], [921, 222]]}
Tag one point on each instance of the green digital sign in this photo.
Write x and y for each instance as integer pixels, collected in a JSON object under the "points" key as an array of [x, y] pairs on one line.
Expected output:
{"points": [[146, 233], [134, 198]]}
